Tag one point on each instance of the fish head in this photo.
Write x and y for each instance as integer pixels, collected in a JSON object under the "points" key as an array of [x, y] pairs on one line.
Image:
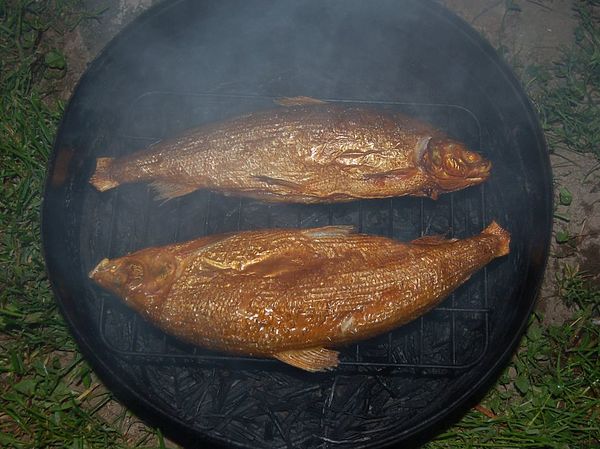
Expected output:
{"points": [[452, 166], [141, 279]]}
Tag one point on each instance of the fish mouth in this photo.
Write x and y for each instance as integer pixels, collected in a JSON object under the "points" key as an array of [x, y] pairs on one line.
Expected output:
{"points": [[451, 181], [107, 276], [476, 179], [98, 268], [480, 172]]}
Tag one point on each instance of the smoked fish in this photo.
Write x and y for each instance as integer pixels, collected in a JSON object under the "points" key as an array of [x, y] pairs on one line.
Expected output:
{"points": [[302, 153], [294, 294]]}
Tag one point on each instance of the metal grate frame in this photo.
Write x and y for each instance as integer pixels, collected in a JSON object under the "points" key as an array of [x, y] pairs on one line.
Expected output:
{"points": [[431, 342]]}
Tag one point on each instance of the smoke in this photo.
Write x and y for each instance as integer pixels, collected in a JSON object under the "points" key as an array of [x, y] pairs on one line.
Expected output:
{"points": [[193, 62]]}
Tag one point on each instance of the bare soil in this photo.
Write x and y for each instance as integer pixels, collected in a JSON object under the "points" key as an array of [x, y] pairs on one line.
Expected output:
{"points": [[530, 31], [536, 32]]}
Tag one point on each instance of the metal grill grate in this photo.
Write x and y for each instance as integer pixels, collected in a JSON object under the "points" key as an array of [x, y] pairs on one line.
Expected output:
{"points": [[452, 337]]}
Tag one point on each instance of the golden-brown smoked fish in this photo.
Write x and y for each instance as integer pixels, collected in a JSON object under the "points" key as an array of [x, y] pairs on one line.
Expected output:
{"points": [[310, 153], [293, 294]]}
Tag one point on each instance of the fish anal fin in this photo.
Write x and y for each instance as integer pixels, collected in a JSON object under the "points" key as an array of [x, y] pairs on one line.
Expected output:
{"points": [[432, 240], [298, 101], [311, 359], [168, 190], [329, 231]]}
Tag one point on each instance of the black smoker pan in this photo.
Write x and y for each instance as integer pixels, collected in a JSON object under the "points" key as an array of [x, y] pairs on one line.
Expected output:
{"points": [[188, 62]]}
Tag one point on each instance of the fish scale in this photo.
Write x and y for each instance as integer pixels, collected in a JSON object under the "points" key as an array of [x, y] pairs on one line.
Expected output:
{"points": [[317, 153], [236, 293]]}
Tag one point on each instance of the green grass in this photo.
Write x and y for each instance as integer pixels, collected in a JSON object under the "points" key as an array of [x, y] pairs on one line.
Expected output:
{"points": [[549, 396], [567, 94], [546, 398], [48, 395]]}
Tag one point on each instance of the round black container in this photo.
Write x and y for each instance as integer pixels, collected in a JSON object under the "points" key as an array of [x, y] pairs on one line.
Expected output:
{"points": [[183, 63]]}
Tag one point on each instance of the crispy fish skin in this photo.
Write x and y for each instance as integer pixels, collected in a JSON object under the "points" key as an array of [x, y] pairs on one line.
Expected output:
{"points": [[303, 153], [291, 293]]}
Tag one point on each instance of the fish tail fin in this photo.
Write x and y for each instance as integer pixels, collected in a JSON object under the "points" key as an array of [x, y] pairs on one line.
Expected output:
{"points": [[102, 179], [503, 236]]}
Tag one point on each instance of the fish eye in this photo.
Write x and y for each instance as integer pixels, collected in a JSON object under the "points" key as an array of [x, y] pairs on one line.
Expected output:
{"points": [[471, 157]]}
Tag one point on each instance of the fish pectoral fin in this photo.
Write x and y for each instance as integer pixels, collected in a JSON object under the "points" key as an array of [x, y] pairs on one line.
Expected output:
{"points": [[169, 190], [283, 267], [279, 182], [399, 173], [329, 231], [312, 359], [297, 101], [432, 240]]}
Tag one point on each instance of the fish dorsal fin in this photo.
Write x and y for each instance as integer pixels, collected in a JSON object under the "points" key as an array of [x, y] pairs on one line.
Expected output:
{"points": [[200, 246], [298, 101], [432, 240], [311, 359], [167, 190], [329, 231]]}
